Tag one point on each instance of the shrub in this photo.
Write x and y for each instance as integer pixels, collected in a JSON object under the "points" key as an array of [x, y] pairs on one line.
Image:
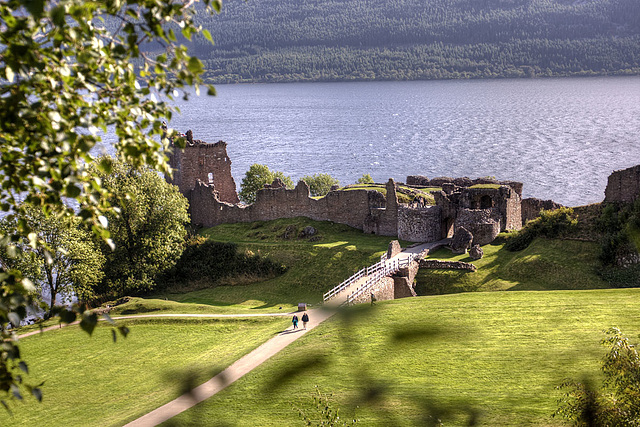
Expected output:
{"points": [[320, 184], [213, 261], [620, 225], [550, 223], [365, 179]]}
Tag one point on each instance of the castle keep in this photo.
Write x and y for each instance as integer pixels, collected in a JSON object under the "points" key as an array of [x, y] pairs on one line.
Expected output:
{"points": [[202, 172]]}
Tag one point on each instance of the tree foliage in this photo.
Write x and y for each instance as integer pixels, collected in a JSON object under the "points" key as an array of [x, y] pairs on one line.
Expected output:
{"points": [[209, 261], [346, 40], [365, 179], [320, 184], [148, 230], [68, 263], [67, 72], [617, 401], [550, 223], [256, 178]]}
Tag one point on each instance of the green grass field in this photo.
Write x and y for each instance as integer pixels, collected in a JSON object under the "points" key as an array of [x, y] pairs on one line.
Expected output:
{"points": [[314, 266], [92, 381], [498, 355], [545, 265]]}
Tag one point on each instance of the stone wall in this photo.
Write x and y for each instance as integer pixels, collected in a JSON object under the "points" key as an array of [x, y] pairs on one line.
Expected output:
{"points": [[531, 208], [384, 221], [434, 264], [420, 224], [206, 162], [423, 181], [623, 185], [345, 207], [383, 290], [484, 224]]}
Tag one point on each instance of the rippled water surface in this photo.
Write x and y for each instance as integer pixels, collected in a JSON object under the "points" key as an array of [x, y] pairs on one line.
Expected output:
{"points": [[560, 137]]}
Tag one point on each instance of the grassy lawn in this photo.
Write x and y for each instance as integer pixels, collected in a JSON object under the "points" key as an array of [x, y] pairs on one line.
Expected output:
{"points": [[92, 381], [545, 265], [315, 266], [498, 355]]}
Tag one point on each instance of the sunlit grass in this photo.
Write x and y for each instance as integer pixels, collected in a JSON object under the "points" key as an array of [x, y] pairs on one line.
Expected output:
{"points": [[545, 265], [498, 354], [92, 381]]}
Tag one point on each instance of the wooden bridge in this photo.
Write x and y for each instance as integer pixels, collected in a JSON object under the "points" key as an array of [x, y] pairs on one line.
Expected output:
{"points": [[364, 280]]}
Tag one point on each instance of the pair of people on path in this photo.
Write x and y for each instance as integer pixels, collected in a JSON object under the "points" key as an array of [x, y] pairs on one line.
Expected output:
{"points": [[305, 319]]}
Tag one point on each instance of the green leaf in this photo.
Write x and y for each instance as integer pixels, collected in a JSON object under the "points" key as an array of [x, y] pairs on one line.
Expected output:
{"points": [[195, 65], [207, 35], [67, 316], [9, 73], [89, 322], [124, 331], [37, 393], [57, 16], [217, 5], [108, 318], [35, 7]]}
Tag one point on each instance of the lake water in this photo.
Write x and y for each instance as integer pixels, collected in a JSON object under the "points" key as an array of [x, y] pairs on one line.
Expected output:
{"points": [[560, 137]]}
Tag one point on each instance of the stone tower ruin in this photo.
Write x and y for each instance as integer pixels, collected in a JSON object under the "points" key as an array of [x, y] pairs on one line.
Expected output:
{"points": [[205, 162]]}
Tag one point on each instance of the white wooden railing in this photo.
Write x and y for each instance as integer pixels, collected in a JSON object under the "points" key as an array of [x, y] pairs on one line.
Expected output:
{"points": [[388, 269], [373, 273]]}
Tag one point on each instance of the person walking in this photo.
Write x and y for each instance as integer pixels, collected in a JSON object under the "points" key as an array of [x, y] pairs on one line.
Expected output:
{"points": [[295, 321], [305, 320]]}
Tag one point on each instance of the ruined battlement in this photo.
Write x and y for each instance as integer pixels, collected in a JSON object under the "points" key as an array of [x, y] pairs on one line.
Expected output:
{"points": [[201, 161], [202, 172], [623, 185]]}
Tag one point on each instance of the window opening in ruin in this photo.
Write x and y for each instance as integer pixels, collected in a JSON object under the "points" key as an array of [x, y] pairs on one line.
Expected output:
{"points": [[210, 176], [447, 228], [486, 202]]}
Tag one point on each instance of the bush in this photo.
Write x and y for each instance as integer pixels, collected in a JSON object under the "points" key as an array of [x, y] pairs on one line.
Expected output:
{"points": [[320, 184], [365, 179], [214, 261], [550, 224], [620, 225]]}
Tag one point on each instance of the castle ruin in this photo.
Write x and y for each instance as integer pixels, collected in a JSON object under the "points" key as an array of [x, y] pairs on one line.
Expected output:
{"points": [[202, 172]]}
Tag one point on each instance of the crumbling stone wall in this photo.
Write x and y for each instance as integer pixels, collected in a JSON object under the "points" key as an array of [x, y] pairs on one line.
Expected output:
{"points": [[435, 264], [531, 208], [623, 185], [484, 224], [384, 221], [206, 162], [423, 181], [420, 224], [382, 290]]}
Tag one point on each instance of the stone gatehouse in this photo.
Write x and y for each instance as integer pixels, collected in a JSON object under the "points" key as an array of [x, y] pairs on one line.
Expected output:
{"points": [[202, 172]]}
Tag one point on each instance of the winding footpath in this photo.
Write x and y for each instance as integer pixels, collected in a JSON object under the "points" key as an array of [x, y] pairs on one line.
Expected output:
{"points": [[234, 372], [240, 367]]}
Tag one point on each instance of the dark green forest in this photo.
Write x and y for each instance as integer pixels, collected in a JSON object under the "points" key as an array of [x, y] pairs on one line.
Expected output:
{"points": [[331, 40]]}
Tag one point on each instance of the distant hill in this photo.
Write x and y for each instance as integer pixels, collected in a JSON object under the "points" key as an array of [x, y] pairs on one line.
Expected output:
{"points": [[330, 40]]}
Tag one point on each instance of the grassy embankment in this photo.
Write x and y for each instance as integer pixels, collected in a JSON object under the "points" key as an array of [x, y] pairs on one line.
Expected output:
{"points": [[92, 381], [497, 354], [315, 265], [547, 264]]}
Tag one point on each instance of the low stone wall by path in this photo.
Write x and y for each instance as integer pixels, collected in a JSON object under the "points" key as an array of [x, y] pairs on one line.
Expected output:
{"points": [[434, 264], [383, 290]]}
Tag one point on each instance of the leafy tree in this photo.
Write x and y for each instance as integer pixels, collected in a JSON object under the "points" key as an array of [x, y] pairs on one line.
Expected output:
{"points": [[365, 179], [320, 184], [256, 178], [148, 230], [69, 261], [66, 73], [617, 402]]}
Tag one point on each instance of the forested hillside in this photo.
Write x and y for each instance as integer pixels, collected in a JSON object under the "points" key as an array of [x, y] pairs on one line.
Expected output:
{"points": [[302, 40]]}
